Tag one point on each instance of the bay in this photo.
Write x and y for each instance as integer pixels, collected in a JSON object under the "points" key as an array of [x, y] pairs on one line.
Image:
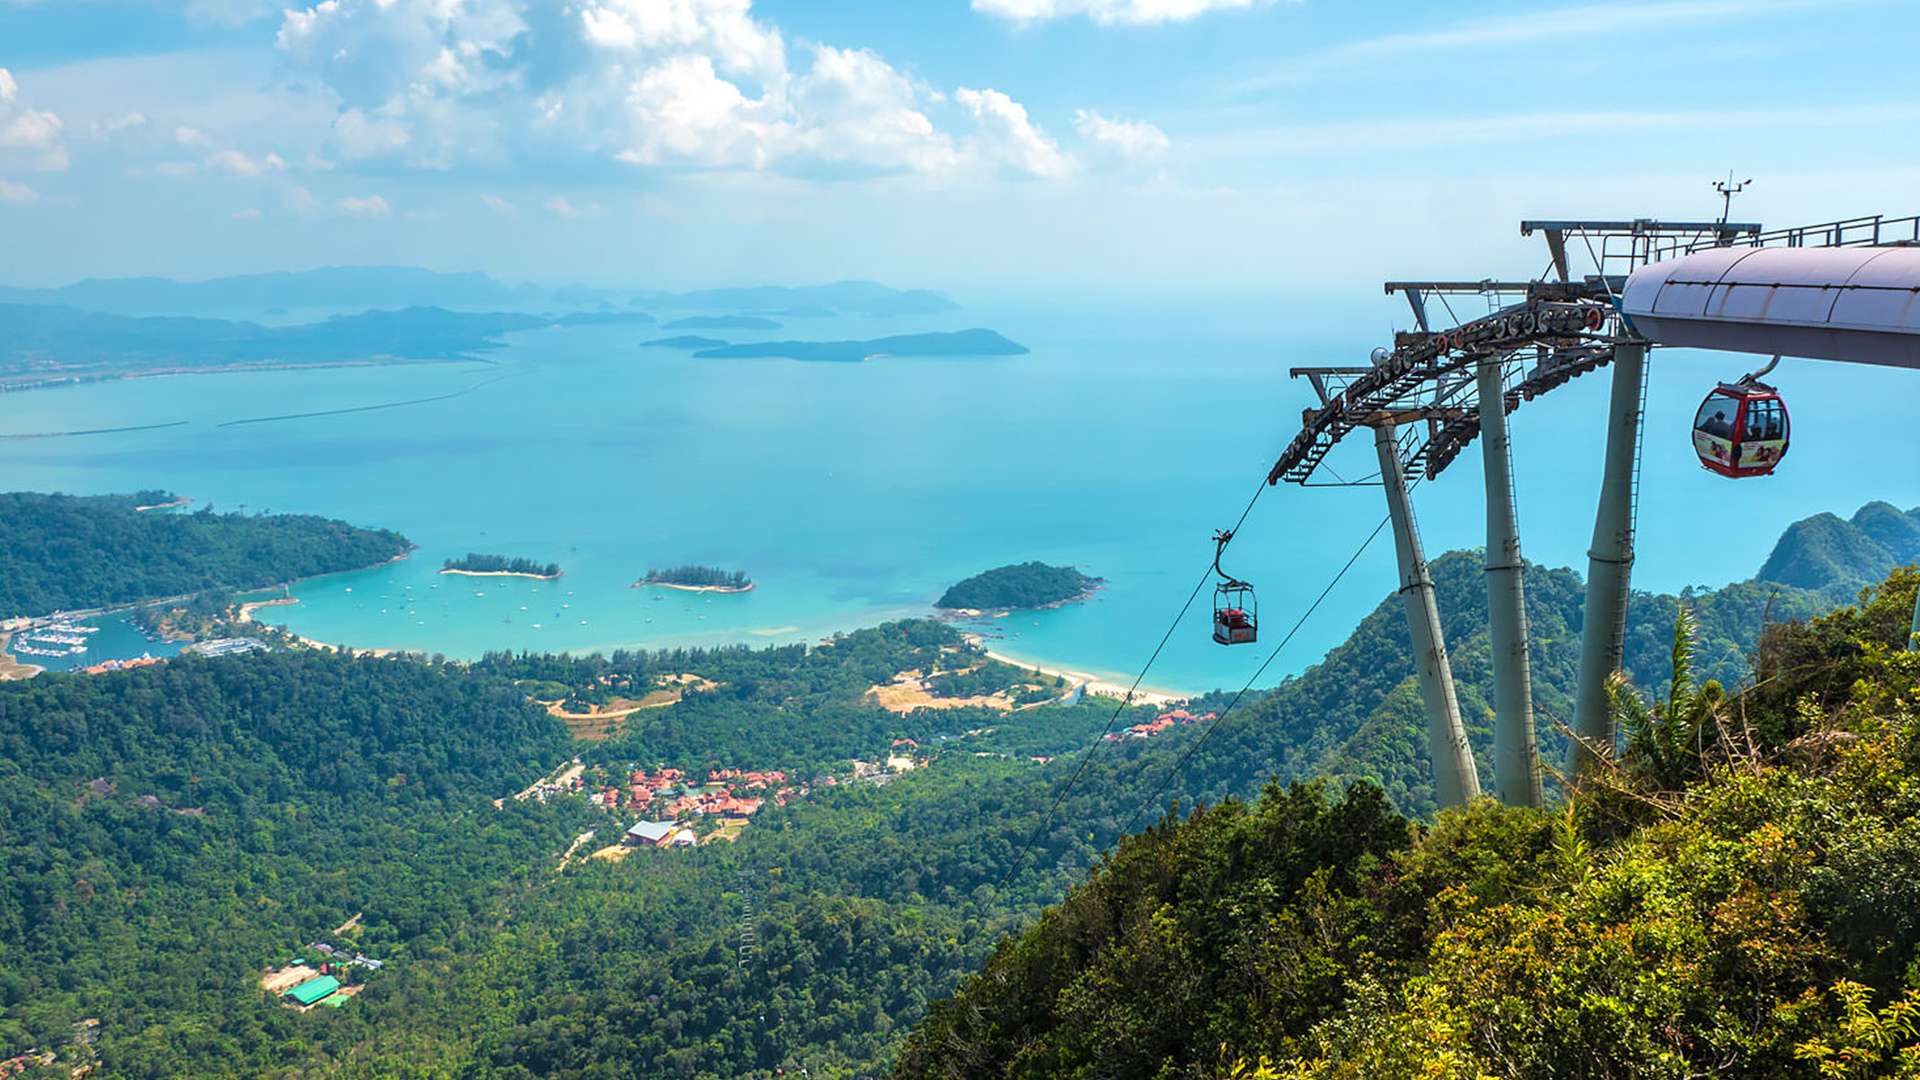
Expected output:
{"points": [[856, 493]]}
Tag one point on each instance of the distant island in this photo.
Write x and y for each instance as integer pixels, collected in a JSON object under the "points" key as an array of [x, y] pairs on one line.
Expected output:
{"points": [[804, 311], [474, 564], [954, 343], [721, 322], [687, 341], [44, 345], [864, 297], [603, 318], [698, 579], [1020, 586]]}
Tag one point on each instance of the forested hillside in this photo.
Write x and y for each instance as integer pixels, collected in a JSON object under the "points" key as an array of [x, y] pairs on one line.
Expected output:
{"points": [[167, 832], [1733, 896], [68, 552], [171, 831]]}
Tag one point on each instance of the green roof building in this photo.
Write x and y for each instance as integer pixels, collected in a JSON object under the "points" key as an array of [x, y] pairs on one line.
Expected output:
{"points": [[313, 989]]}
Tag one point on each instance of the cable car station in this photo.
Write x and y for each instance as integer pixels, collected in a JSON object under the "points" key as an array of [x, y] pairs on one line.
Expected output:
{"points": [[1846, 291]]}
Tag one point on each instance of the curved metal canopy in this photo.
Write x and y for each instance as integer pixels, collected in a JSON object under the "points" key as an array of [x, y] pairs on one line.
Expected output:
{"points": [[1856, 304]]}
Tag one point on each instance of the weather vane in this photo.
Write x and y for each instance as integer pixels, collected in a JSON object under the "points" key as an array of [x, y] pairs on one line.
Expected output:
{"points": [[1728, 189]]}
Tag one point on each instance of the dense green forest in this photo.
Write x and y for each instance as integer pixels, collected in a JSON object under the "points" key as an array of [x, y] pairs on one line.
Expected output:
{"points": [[1732, 895], [1018, 585], [709, 577], [169, 832], [69, 552], [475, 563]]}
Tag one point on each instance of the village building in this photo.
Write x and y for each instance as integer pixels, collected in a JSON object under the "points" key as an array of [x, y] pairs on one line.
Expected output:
{"points": [[651, 834], [313, 990]]}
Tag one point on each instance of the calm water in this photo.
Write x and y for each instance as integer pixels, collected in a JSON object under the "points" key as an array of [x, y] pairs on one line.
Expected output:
{"points": [[854, 493]]}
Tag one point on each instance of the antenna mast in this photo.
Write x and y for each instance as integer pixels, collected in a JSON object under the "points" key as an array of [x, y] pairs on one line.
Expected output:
{"points": [[1728, 189]]}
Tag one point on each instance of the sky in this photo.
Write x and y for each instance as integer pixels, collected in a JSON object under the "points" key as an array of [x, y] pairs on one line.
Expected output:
{"points": [[1009, 147]]}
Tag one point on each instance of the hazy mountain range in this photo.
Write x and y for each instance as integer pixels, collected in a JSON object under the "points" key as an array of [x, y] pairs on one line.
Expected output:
{"points": [[359, 287]]}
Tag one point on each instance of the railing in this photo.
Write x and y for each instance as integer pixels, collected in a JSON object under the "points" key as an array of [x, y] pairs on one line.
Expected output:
{"points": [[1875, 231]]}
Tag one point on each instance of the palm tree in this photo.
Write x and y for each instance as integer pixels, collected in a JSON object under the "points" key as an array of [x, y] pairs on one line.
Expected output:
{"points": [[1668, 743]]}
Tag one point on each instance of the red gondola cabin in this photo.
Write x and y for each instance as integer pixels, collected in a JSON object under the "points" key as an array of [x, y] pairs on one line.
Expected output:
{"points": [[1235, 616], [1741, 429]]}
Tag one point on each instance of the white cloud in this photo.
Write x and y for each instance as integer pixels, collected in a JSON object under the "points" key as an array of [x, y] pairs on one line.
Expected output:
{"points": [[857, 111], [371, 206], [12, 192], [673, 84], [1399, 136], [112, 126], [496, 203], [1133, 141], [1111, 12], [559, 205], [301, 201], [239, 164], [187, 136], [176, 170], [1573, 23], [29, 137], [1007, 137], [32, 129], [252, 213]]}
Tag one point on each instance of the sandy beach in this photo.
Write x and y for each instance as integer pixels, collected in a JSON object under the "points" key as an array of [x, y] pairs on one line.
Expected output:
{"points": [[1092, 685], [748, 587]]}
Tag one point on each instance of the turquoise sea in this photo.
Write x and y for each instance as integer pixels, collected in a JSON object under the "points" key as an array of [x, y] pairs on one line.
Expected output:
{"points": [[855, 493]]}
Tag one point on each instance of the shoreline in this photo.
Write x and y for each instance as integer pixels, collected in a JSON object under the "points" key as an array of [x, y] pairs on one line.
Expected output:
{"points": [[503, 573], [1087, 683], [241, 367], [181, 501], [748, 587]]}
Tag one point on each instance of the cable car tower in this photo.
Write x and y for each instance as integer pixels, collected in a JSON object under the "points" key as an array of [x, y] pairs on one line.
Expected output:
{"points": [[1439, 387]]}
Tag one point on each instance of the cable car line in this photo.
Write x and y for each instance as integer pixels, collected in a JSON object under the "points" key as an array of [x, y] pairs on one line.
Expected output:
{"points": [[1298, 623], [1086, 756]]}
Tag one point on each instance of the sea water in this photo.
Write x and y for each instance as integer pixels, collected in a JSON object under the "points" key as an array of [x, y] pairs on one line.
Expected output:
{"points": [[854, 493]]}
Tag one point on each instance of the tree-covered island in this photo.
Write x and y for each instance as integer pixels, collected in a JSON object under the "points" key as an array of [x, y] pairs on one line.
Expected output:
{"points": [[477, 565], [698, 579], [1019, 585]]}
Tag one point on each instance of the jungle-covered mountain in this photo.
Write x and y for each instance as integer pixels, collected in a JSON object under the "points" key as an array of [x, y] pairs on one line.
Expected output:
{"points": [[1733, 895], [1837, 557], [73, 552]]}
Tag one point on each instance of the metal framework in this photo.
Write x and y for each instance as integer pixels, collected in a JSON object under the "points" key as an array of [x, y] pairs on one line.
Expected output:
{"points": [[1424, 399]]}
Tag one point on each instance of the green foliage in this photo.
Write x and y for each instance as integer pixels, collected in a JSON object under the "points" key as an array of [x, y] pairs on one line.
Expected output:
{"points": [[1020, 585], [65, 552], [1732, 898], [699, 577], [475, 563]]}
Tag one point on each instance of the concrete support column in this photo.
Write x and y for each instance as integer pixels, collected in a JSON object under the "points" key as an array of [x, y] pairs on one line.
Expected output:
{"points": [[1516, 757], [1913, 639], [1454, 779], [1609, 560]]}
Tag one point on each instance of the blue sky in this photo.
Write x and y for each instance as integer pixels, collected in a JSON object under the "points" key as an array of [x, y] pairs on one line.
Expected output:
{"points": [[1210, 145]]}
